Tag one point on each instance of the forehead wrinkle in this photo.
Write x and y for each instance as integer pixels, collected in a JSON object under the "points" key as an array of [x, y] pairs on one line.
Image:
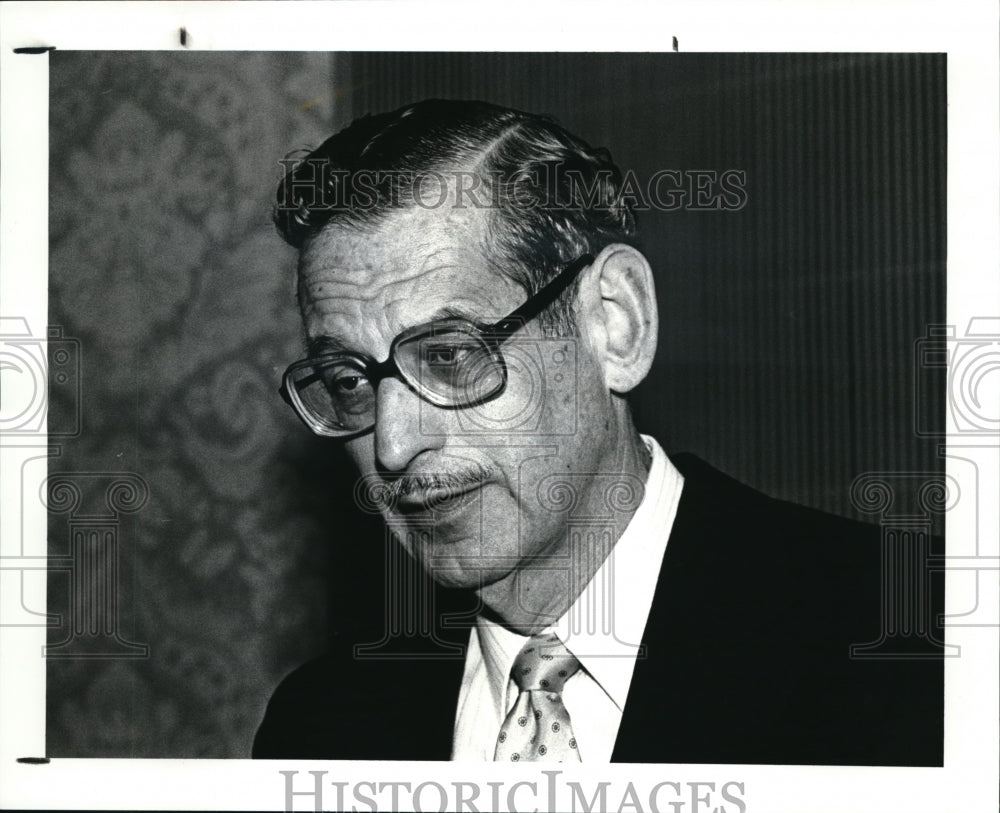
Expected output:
{"points": [[367, 285], [331, 324], [333, 281], [365, 318], [365, 280], [460, 236]]}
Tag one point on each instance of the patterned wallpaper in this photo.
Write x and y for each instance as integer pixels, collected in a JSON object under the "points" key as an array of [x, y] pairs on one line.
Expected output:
{"points": [[164, 265]]}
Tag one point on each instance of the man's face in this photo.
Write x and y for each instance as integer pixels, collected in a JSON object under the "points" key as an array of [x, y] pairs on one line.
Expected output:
{"points": [[471, 488]]}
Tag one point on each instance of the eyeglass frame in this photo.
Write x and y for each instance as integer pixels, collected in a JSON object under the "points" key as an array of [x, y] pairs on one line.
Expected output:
{"points": [[493, 336]]}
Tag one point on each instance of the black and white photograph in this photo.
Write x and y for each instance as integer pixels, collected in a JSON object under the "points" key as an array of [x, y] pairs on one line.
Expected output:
{"points": [[445, 408]]}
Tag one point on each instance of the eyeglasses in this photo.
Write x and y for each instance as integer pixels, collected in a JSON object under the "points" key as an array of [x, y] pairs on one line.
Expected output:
{"points": [[451, 363]]}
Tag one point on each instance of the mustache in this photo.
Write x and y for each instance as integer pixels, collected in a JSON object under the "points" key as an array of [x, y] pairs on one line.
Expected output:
{"points": [[388, 492]]}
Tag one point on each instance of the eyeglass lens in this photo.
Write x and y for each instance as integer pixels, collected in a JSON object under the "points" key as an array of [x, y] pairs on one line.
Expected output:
{"points": [[453, 368], [450, 368]]}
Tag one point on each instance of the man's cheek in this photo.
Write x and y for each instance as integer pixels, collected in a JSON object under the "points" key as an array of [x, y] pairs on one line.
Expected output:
{"points": [[361, 452]]}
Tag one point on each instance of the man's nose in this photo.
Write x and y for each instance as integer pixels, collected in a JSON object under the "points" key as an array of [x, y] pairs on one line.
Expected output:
{"points": [[405, 425]]}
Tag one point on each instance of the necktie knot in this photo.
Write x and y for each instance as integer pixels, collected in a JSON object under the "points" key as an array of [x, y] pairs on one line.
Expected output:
{"points": [[538, 727], [544, 664]]}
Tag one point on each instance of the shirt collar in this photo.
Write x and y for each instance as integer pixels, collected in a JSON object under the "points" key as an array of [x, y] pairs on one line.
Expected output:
{"points": [[606, 652], [499, 647]]}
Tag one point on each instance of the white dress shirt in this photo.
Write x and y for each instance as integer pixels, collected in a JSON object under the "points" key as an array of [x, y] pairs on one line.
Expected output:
{"points": [[615, 604]]}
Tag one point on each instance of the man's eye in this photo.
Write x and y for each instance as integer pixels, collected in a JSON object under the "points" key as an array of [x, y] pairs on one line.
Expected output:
{"points": [[446, 355], [348, 383]]}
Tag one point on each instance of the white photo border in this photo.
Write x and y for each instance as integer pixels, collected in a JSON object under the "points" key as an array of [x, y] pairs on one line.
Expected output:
{"points": [[965, 32]]}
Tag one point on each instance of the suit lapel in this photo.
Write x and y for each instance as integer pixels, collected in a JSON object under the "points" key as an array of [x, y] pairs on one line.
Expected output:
{"points": [[658, 722], [644, 711]]}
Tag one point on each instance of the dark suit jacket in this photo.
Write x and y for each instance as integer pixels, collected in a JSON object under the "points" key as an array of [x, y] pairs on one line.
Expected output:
{"points": [[747, 656]]}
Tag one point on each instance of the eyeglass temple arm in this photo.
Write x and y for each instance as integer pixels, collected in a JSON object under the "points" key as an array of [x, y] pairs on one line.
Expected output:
{"points": [[545, 296]]}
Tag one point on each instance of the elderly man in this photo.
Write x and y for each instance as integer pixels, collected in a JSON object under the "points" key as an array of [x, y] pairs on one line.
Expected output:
{"points": [[476, 312]]}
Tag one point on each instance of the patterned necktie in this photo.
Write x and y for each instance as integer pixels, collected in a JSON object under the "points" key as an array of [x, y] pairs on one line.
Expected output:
{"points": [[537, 728]]}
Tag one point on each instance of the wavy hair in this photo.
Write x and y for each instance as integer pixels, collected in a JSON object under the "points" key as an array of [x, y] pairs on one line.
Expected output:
{"points": [[551, 196]]}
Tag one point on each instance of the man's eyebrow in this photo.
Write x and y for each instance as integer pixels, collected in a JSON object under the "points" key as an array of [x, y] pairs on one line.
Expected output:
{"points": [[325, 344], [455, 312], [333, 344]]}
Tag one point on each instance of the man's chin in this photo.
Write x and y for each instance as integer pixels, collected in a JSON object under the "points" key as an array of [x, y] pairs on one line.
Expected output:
{"points": [[454, 566]]}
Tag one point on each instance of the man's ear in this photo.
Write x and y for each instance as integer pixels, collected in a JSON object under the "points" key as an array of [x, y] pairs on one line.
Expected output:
{"points": [[618, 309]]}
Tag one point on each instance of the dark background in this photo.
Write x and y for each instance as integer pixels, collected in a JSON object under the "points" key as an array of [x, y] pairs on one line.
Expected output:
{"points": [[787, 339]]}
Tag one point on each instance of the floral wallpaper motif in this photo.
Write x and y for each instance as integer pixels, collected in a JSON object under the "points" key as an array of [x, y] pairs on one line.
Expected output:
{"points": [[163, 263]]}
